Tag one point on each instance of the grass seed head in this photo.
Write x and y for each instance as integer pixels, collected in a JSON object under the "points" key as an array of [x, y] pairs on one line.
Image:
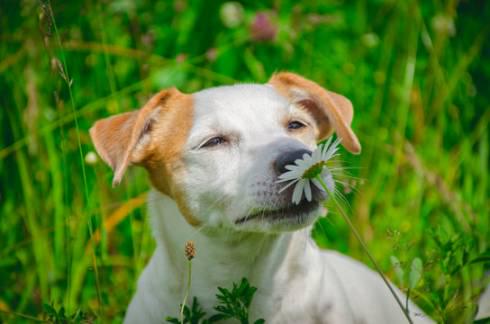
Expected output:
{"points": [[190, 250]]}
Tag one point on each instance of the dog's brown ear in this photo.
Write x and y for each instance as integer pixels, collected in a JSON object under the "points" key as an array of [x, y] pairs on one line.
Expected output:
{"points": [[333, 112], [123, 139]]}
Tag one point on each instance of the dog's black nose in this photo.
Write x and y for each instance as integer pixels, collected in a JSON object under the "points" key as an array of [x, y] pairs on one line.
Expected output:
{"points": [[288, 158]]}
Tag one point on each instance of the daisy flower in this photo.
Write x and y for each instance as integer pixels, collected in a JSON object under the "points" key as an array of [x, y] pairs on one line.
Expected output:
{"points": [[313, 169], [305, 172]]}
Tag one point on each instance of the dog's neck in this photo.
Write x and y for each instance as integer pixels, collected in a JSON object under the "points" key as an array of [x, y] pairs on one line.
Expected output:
{"points": [[222, 256]]}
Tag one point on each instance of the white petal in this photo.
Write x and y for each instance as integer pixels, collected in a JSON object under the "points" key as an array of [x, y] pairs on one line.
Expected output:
{"points": [[290, 174], [326, 151], [317, 184], [308, 164], [304, 157], [328, 179], [300, 162], [286, 180], [303, 161], [316, 154], [291, 167], [298, 192], [327, 144], [330, 149], [308, 190], [287, 186], [335, 147], [328, 154], [329, 141]]}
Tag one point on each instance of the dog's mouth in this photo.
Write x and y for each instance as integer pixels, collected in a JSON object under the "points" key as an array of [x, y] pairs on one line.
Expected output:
{"points": [[291, 211]]}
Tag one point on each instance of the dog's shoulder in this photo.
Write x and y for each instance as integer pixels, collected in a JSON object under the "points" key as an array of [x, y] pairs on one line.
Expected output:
{"points": [[364, 290]]}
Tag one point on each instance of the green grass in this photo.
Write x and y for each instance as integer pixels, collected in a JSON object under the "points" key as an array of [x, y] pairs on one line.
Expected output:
{"points": [[418, 75]]}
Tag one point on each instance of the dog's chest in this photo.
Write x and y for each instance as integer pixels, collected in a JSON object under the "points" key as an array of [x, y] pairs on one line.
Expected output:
{"points": [[298, 296]]}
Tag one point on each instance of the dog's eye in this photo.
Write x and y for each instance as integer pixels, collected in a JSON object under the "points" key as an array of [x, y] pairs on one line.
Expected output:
{"points": [[292, 125], [215, 141]]}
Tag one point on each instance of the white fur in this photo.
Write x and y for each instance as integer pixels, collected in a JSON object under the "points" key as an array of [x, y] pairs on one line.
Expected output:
{"points": [[484, 304], [297, 282]]}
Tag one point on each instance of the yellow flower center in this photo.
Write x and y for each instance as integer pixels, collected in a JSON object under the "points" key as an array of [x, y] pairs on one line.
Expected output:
{"points": [[315, 170]]}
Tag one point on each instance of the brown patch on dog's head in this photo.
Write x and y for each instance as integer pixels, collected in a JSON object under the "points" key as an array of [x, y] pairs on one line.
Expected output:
{"points": [[331, 111], [153, 137]]}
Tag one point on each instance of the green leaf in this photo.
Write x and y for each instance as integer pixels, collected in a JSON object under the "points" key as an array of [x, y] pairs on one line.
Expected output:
{"points": [[400, 274], [50, 310], [254, 65], [172, 320], [217, 318], [415, 273], [482, 258], [232, 304], [485, 320], [235, 303], [168, 76], [192, 315]]}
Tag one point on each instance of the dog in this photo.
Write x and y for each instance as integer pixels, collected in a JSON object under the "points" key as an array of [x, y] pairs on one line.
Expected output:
{"points": [[213, 158]]}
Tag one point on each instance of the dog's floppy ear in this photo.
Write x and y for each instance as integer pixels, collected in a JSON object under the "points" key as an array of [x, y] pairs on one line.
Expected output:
{"points": [[333, 112], [123, 139]]}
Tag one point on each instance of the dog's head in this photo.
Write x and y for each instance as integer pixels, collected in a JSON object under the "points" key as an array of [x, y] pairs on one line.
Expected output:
{"points": [[218, 152]]}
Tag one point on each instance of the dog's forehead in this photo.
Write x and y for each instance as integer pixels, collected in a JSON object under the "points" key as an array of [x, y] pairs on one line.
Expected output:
{"points": [[241, 103]]}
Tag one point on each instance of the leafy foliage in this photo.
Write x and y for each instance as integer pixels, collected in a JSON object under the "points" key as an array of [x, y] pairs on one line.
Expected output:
{"points": [[193, 315], [235, 303], [60, 317], [232, 304]]}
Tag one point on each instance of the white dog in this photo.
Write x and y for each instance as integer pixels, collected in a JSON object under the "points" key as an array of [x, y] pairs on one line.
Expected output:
{"points": [[214, 158]]}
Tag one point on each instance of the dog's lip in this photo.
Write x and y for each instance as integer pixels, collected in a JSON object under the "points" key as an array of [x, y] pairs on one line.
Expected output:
{"points": [[288, 211]]}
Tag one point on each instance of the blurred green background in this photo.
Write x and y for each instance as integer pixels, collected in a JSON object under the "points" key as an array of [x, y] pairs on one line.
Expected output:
{"points": [[417, 73]]}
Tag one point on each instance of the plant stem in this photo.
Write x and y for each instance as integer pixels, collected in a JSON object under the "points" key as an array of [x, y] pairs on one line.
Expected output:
{"points": [[187, 290], [66, 77], [364, 246], [407, 299]]}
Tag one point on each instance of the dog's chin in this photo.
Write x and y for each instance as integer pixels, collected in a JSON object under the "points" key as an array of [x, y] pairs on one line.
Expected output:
{"points": [[290, 217]]}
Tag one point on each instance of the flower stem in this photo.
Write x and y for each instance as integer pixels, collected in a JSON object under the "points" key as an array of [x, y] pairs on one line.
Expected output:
{"points": [[364, 246], [187, 290]]}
